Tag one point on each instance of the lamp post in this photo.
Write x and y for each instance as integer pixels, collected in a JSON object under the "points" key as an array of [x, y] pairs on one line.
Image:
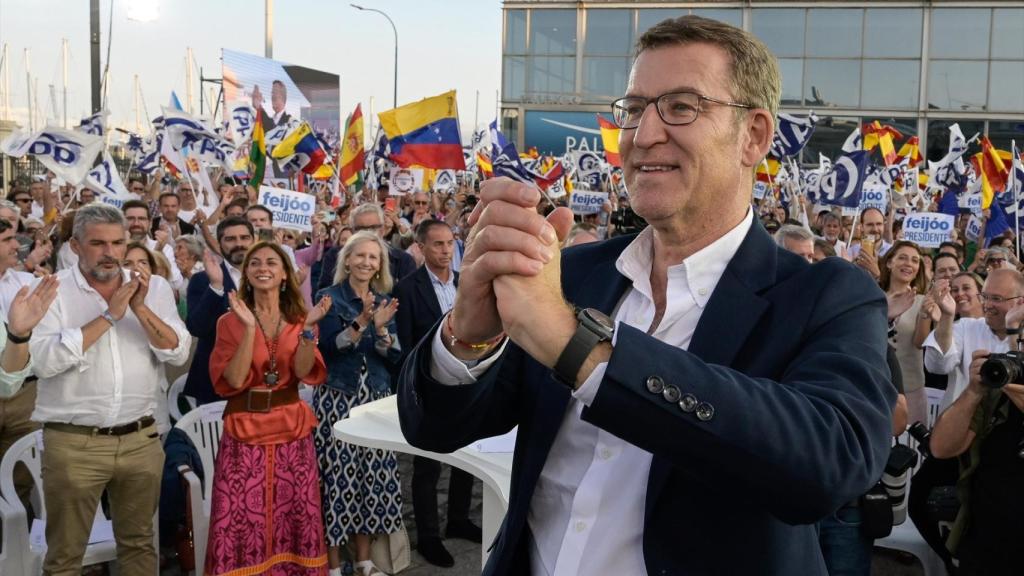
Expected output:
{"points": [[395, 30]]}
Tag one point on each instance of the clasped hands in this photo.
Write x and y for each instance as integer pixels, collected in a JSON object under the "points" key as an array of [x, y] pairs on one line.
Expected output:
{"points": [[510, 278]]}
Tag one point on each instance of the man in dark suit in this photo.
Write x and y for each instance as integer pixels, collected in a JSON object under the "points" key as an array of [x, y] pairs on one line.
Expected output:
{"points": [[739, 395], [207, 299], [168, 220], [278, 100], [367, 217], [424, 296]]}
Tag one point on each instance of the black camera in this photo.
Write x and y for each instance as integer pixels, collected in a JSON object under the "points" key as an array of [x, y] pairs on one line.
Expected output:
{"points": [[920, 432], [1002, 369]]}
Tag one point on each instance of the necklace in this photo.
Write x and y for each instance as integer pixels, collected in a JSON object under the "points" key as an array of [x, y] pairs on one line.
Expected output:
{"points": [[270, 376]]}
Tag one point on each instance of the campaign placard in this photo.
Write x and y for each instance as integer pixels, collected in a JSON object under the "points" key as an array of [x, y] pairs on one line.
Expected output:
{"points": [[875, 195], [584, 202], [292, 210], [405, 181], [928, 229], [973, 230], [760, 189]]}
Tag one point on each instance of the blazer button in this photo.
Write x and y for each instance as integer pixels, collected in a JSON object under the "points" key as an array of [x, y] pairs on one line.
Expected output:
{"points": [[705, 411], [671, 394], [655, 384], [688, 403]]}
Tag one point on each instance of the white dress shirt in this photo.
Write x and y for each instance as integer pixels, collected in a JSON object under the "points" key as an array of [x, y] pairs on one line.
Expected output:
{"points": [[168, 253], [114, 381], [969, 335], [12, 281], [587, 511]]}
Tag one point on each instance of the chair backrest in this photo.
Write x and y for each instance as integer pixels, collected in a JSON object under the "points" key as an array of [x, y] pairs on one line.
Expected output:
{"points": [[27, 450], [174, 391], [204, 426], [934, 401]]}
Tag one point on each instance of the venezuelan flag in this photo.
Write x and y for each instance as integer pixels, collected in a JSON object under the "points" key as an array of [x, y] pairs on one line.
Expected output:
{"points": [[425, 133], [610, 140], [353, 156], [303, 142]]}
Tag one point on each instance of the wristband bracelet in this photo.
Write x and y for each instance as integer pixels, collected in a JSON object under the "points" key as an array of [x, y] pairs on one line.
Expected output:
{"points": [[475, 346], [1012, 331], [14, 339]]}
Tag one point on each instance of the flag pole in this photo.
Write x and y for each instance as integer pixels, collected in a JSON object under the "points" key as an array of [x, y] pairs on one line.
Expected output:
{"points": [[1016, 195]]}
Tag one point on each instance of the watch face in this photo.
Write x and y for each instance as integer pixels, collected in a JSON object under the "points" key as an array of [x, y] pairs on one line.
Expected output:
{"points": [[598, 322]]}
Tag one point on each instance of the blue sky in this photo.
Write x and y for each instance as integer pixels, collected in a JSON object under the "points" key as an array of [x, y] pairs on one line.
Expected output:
{"points": [[442, 44]]}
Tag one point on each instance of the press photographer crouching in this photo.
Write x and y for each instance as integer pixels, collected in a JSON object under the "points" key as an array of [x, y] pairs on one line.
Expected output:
{"points": [[984, 427]]}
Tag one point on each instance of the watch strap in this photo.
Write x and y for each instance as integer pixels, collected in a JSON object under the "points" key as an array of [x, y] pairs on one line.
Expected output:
{"points": [[13, 339], [575, 354], [108, 317], [356, 326]]}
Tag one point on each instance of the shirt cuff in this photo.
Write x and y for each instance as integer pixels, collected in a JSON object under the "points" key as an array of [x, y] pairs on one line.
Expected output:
{"points": [[451, 371], [217, 291]]}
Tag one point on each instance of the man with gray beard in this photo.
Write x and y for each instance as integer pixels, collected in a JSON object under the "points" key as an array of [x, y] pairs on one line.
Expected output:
{"points": [[99, 352], [208, 299]]}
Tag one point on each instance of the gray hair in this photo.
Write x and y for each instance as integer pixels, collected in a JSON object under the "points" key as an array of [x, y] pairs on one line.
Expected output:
{"points": [[9, 204], [95, 213], [367, 208], [382, 281], [192, 244], [793, 232]]}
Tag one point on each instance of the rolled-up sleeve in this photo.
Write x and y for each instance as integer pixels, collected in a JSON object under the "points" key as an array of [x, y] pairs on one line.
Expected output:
{"points": [[55, 348], [161, 301], [938, 362], [10, 382]]}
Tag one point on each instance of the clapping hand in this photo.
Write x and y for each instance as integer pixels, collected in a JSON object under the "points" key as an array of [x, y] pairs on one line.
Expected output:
{"points": [[141, 279], [900, 303], [383, 314], [940, 293], [317, 312], [241, 309], [211, 263], [120, 300], [28, 308]]}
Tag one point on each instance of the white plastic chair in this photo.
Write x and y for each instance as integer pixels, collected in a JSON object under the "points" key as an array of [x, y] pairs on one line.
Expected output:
{"points": [[174, 391], [20, 557], [204, 426]]}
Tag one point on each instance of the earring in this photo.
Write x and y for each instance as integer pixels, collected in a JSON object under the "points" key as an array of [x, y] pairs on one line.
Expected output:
{"points": [[282, 286], [376, 276]]}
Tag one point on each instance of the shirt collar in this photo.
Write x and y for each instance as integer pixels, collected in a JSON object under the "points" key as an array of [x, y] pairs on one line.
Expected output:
{"points": [[435, 280], [701, 270]]}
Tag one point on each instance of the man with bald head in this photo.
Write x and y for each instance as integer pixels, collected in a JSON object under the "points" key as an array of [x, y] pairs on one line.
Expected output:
{"points": [[986, 420]]}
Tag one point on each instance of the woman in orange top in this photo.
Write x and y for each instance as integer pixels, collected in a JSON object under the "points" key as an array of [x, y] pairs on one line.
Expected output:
{"points": [[265, 515]]}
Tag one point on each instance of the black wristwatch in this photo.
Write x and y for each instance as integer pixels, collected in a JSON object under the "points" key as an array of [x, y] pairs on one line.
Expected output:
{"points": [[594, 327]]}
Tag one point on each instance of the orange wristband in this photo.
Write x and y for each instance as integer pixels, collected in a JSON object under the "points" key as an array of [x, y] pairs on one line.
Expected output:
{"points": [[476, 347]]}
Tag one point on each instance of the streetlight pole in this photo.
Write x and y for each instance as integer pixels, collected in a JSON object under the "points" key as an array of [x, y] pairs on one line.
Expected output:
{"points": [[395, 30]]}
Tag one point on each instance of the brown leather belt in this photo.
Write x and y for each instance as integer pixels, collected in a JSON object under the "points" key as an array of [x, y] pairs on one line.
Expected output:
{"points": [[261, 400], [120, 430]]}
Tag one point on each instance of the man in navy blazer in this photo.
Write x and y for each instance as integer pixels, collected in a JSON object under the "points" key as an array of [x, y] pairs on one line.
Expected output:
{"points": [[423, 297], [207, 299], [740, 395]]}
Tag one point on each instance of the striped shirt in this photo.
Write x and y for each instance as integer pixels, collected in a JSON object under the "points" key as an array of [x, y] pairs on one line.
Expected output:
{"points": [[445, 291]]}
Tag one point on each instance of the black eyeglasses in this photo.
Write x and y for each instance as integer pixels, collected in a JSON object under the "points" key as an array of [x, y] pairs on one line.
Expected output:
{"points": [[674, 108], [371, 227]]}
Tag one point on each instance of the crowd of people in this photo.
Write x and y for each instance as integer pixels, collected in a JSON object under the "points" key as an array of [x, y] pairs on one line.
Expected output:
{"points": [[628, 428]]}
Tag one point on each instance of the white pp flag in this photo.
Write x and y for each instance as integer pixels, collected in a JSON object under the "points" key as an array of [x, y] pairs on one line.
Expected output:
{"points": [[66, 153], [106, 182], [241, 118], [95, 124]]}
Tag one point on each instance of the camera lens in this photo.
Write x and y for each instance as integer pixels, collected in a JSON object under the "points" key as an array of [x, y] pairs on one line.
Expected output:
{"points": [[999, 370]]}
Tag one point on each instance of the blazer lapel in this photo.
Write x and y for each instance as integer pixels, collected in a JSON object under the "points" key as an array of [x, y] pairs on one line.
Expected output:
{"points": [[229, 282], [426, 290], [733, 311]]}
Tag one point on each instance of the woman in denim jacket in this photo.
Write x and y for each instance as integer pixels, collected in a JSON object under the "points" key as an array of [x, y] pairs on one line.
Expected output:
{"points": [[360, 490]]}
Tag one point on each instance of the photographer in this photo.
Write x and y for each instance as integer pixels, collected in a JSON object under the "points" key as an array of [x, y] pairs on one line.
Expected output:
{"points": [[985, 427]]}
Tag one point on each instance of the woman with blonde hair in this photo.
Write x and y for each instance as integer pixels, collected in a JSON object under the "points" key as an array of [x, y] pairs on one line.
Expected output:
{"points": [[361, 493], [265, 513]]}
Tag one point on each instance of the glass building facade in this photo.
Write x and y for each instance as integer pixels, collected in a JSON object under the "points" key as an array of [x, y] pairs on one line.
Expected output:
{"points": [[919, 66]]}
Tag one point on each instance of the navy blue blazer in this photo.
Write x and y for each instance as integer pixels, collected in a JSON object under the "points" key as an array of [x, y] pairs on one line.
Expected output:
{"points": [[789, 361], [205, 307], [418, 308]]}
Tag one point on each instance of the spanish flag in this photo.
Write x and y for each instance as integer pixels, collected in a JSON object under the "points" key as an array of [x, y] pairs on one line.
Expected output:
{"points": [[767, 170], [353, 155], [610, 140], [992, 170], [425, 133], [911, 150], [875, 134], [484, 164]]}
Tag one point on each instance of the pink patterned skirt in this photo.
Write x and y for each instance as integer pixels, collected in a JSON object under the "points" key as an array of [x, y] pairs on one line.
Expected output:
{"points": [[265, 516]]}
